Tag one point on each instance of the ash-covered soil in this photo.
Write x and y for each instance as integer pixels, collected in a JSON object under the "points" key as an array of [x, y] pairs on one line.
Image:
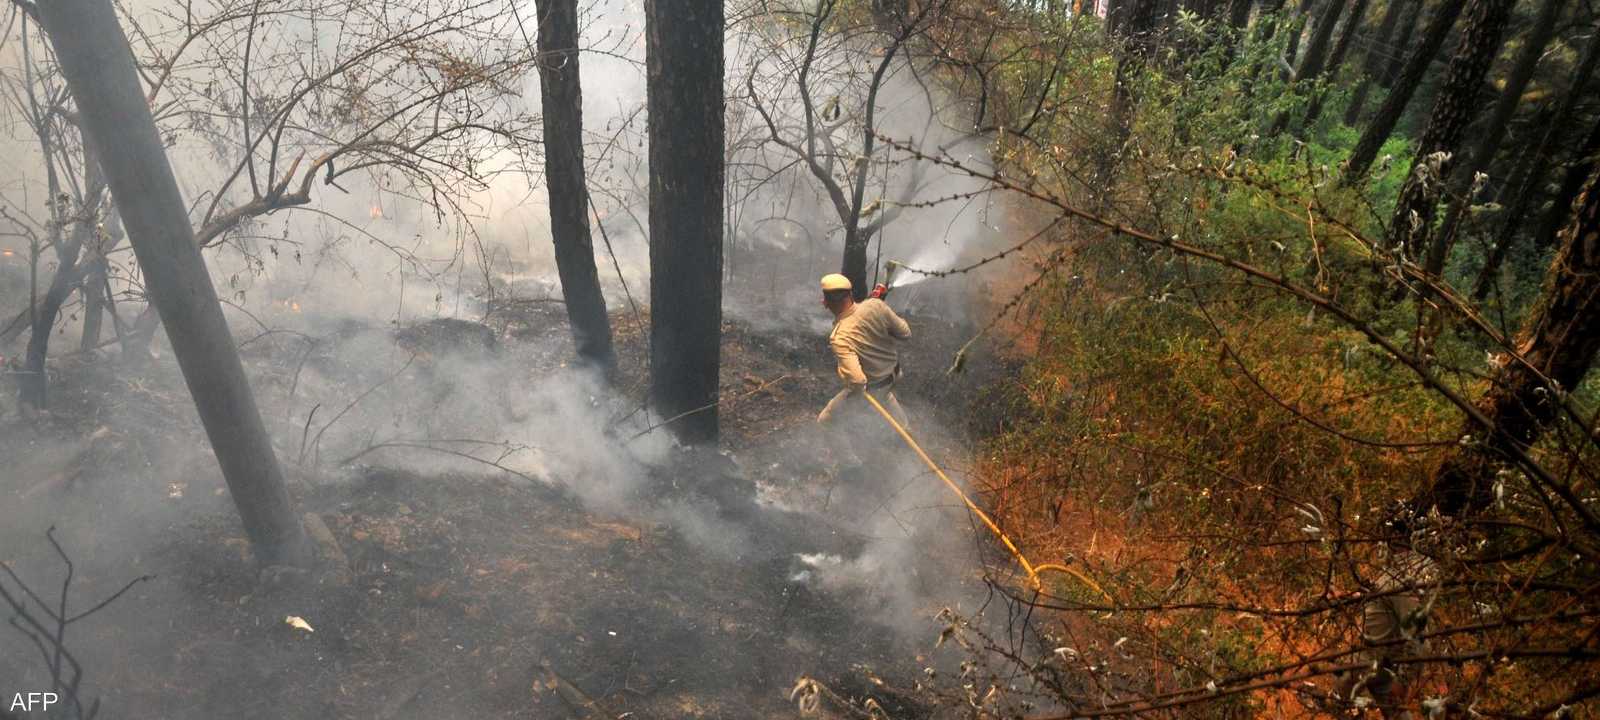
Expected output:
{"points": [[707, 587]]}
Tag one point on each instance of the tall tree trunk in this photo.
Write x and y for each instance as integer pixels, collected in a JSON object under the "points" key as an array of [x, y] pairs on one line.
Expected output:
{"points": [[1571, 184], [562, 97], [1493, 132], [94, 303], [98, 301], [1457, 103], [1525, 185], [683, 58], [1116, 15], [1239, 14], [1319, 62], [1266, 28], [99, 67], [1372, 63], [1558, 342], [1321, 35], [1138, 45], [1297, 28], [1352, 28], [1405, 85], [1239, 21], [1408, 28]]}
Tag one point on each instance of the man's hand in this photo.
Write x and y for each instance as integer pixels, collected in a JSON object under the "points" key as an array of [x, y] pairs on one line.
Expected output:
{"points": [[879, 291]]}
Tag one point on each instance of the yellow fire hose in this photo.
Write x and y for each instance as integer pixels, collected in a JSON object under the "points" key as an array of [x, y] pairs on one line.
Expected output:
{"points": [[1032, 570]]}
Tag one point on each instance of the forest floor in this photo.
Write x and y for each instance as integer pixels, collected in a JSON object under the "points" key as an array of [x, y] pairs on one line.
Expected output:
{"points": [[480, 594]]}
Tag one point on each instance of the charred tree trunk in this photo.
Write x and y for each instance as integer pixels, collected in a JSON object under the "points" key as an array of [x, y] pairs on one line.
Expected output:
{"points": [[97, 299], [683, 56], [1493, 132], [1373, 63], [94, 303], [99, 68], [33, 385], [1405, 85], [562, 97], [1457, 103], [1557, 344], [1525, 183]]}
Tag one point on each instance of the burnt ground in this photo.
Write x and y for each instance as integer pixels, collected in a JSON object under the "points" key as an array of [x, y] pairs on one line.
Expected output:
{"points": [[476, 593]]}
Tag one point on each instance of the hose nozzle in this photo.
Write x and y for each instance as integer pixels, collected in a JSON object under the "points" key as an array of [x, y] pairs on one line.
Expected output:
{"points": [[889, 270]]}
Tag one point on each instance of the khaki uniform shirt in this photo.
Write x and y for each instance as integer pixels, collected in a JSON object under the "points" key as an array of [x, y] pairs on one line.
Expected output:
{"points": [[866, 341]]}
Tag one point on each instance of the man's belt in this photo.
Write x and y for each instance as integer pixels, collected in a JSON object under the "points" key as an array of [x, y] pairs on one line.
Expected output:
{"points": [[885, 381]]}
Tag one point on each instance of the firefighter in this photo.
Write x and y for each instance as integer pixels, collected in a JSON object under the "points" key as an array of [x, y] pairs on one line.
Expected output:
{"points": [[865, 340]]}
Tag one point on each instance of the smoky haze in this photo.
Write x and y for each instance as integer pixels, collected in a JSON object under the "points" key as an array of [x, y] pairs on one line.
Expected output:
{"points": [[402, 329]]}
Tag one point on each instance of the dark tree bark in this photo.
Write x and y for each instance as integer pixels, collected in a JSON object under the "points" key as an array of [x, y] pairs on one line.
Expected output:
{"points": [[1404, 86], [1402, 39], [97, 298], [1319, 63], [1239, 21], [1206, 9], [71, 225], [33, 385], [99, 67], [94, 303], [1239, 14], [1138, 45], [1116, 15], [1352, 28], [1571, 184], [1520, 193], [1312, 65], [683, 56], [1493, 132], [1297, 30], [1266, 28], [562, 97], [1457, 103], [1558, 344], [1373, 63]]}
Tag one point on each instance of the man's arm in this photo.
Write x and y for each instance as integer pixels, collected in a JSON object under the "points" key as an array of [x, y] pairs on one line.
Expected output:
{"points": [[898, 326]]}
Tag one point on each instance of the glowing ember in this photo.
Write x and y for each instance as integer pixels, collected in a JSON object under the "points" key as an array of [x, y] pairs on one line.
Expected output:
{"points": [[7, 253]]}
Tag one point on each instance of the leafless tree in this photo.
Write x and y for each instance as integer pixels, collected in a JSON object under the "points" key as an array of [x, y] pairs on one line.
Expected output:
{"points": [[415, 103]]}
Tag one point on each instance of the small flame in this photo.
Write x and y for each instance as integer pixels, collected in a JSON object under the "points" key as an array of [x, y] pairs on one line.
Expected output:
{"points": [[294, 306], [7, 253], [376, 212]]}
